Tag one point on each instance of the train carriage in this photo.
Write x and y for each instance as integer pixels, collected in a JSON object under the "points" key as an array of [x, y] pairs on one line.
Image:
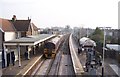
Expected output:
{"points": [[49, 50], [51, 47]]}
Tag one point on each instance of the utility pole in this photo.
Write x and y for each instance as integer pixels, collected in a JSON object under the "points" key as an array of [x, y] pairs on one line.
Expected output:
{"points": [[80, 32], [87, 32], [104, 28]]}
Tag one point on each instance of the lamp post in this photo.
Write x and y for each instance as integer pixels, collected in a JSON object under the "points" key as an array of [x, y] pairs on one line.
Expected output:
{"points": [[87, 32], [104, 48]]}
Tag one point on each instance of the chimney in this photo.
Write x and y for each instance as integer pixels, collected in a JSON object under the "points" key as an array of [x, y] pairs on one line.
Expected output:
{"points": [[14, 18], [28, 18]]}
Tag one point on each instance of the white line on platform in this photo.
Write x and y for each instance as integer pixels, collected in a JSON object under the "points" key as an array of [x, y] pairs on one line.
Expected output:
{"points": [[115, 68]]}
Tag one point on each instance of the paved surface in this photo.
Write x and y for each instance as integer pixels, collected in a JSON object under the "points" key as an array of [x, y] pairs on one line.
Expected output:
{"points": [[109, 71], [66, 66], [14, 70]]}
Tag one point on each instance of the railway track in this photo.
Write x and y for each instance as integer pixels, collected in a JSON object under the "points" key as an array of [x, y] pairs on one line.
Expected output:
{"points": [[62, 62]]}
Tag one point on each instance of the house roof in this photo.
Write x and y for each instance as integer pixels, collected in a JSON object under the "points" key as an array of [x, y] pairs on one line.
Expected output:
{"points": [[34, 27], [6, 25], [21, 25]]}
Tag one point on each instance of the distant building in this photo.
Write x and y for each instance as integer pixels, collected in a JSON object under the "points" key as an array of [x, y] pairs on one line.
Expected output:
{"points": [[56, 30], [83, 32]]}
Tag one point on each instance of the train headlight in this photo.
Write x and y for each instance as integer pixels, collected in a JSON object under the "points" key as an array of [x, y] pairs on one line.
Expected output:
{"points": [[53, 51]]}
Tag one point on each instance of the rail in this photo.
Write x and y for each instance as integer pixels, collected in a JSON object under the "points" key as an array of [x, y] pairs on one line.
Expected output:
{"points": [[27, 71], [51, 62]]}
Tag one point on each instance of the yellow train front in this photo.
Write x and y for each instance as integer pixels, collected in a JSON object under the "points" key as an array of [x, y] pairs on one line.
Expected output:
{"points": [[49, 50]]}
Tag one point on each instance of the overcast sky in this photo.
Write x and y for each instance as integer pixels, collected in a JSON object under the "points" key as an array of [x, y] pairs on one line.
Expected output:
{"points": [[48, 13]]}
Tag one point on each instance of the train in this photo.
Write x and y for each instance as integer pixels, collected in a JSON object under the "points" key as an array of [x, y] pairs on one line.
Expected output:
{"points": [[51, 47]]}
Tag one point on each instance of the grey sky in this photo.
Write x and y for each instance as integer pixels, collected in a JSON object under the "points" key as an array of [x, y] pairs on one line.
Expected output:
{"points": [[47, 13]]}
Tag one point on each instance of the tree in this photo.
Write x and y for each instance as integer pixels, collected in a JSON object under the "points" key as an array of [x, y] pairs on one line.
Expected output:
{"points": [[67, 26], [97, 36]]}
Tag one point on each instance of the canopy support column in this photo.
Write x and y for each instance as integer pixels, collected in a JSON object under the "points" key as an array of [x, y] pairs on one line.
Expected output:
{"points": [[34, 51], [29, 49], [19, 59]]}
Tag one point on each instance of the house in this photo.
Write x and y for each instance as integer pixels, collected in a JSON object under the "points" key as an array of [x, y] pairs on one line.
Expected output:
{"points": [[12, 30], [7, 33], [24, 28], [34, 29], [8, 28]]}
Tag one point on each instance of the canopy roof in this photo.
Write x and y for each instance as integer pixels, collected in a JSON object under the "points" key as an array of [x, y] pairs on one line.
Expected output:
{"points": [[30, 40], [82, 40], [87, 42]]}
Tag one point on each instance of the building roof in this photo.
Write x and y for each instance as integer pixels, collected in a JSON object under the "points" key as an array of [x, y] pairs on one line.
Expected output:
{"points": [[87, 42], [113, 46], [31, 40], [6, 25], [34, 27], [21, 25], [82, 40]]}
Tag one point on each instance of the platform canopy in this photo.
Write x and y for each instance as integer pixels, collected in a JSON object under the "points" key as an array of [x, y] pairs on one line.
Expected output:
{"points": [[30, 40], [87, 42], [82, 40]]}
